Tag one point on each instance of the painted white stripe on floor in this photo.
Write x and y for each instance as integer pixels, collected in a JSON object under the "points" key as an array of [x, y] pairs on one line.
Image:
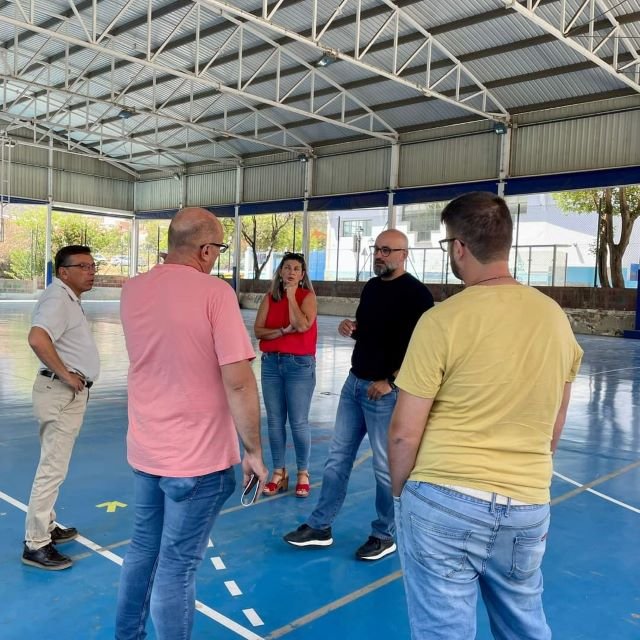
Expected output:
{"points": [[218, 563], [233, 588], [226, 622], [611, 371], [597, 493], [210, 544], [13, 501], [105, 553], [253, 617]]}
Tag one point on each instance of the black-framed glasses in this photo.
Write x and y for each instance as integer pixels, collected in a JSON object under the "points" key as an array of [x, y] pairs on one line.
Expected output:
{"points": [[85, 266], [385, 251], [247, 498], [445, 242], [221, 245]]}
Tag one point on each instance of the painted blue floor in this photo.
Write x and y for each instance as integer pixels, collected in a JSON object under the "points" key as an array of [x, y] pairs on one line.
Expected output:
{"points": [[592, 577]]}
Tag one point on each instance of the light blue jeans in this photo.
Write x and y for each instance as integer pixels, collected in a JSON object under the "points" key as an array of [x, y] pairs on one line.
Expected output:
{"points": [[173, 520], [288, 382], [358, 416], [450, 544]]}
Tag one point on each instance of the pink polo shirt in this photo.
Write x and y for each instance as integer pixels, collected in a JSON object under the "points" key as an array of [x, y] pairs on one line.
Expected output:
{"points": [[180, 327]]}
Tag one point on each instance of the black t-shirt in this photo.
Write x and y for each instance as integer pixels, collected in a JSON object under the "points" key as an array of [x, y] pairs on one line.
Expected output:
{"points": [[386, 316]]}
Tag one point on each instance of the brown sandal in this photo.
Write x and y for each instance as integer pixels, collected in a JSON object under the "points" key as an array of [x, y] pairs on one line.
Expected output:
{"points": [[303, 488], [279, 482]]}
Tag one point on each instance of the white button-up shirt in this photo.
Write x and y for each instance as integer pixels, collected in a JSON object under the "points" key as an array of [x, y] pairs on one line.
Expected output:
{"points": [[60, 314]]}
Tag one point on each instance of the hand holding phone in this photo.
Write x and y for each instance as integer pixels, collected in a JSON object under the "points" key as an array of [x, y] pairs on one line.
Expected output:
{"points": [[247, 499]]}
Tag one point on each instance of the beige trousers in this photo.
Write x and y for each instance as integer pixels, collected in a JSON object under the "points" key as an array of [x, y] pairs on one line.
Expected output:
{"points": [[59, 411]]}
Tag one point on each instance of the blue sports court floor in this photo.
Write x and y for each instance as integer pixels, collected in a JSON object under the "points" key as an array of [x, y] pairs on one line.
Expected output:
{"points": [[252, 585]]}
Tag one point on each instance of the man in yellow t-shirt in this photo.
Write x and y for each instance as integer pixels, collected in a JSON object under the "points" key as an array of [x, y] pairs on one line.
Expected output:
{"points": [[484, 391]]}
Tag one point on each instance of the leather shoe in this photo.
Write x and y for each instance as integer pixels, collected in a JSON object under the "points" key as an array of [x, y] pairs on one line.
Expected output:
{"points": [[60, 535], [46, 557]]}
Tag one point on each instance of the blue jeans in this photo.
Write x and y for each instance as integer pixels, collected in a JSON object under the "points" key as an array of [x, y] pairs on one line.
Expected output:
{"points": [[356, 417], [287, 387], [173, 520], [451, 543]]}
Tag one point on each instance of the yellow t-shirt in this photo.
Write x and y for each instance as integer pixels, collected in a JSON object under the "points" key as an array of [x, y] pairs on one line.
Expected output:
{"points": [[495, 360]]}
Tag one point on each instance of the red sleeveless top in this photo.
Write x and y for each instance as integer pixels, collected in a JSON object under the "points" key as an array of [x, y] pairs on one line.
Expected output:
{"points": [[299, 344]]}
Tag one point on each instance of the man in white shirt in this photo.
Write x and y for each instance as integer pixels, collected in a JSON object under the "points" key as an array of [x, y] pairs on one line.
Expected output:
{"points": [[61, 338]]}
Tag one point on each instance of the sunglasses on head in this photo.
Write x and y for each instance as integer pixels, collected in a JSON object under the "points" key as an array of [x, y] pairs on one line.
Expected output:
{"points": [[292, 255]]}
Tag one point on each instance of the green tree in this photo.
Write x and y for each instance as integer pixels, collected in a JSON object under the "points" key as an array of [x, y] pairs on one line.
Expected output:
{"points": [[622, 202], [264, 234], [26, 251]]}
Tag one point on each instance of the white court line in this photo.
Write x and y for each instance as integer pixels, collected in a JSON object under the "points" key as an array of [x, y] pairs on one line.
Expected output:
{"points": [[210, 544], [201, 607], [253, 617], [611, 371], [233, 588], [597, 493], [230, 624], [218, 563]]}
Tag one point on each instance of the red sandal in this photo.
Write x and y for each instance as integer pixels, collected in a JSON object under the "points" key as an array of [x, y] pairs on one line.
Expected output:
{"points": [[303, 488], [279, 482]]}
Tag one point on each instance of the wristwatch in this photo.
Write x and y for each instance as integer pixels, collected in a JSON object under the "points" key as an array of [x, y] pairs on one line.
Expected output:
{"points": [[392, 382]]}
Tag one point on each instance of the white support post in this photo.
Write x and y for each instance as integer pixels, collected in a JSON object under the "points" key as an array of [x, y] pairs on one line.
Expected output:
{"points": [[504, 170], [308, 191], [48, 265], [134, 250], [392, 218], [183, 190], [237, 248]]}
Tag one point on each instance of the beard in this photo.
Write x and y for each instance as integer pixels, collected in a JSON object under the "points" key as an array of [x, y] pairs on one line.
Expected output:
{"points": [[383, 268], [454, 268]]}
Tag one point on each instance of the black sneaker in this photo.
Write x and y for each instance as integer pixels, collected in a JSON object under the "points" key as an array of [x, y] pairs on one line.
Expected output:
{"points": [[305, 536], [60, 535], [375, 548], [46, 557]]}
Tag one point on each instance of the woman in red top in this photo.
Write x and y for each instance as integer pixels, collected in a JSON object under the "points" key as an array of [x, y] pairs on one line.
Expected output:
{"points": [[287, 329]]}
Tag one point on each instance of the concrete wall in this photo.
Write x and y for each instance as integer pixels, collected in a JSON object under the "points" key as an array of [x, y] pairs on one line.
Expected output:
{"points": [[611, 314]]}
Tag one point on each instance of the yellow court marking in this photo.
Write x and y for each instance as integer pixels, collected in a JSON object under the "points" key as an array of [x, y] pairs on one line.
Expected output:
{"points": [[581, 488], [332, 606], [111, 506]]}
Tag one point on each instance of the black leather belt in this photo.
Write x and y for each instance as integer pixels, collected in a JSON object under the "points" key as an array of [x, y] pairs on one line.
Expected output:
{"points": [[49, 374]]}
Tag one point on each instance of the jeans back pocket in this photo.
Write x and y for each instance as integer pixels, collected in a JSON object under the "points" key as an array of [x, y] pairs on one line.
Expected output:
{"points": [[527, 556]]}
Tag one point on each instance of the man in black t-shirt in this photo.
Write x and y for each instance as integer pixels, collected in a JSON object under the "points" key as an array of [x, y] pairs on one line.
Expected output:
{"points": [[390, 306]]}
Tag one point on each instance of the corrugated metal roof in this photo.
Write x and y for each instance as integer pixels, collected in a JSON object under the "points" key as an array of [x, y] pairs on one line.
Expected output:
{"points": [[517, 60]]}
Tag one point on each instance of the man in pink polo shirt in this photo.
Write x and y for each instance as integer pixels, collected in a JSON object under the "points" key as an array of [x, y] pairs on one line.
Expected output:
{"points": [[191, 387]]}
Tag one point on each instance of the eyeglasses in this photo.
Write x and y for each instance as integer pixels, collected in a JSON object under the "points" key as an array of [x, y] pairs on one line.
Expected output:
{"points": [[385, 251], [293, 256], [246, 499], [85, 266], [444, 243], [221, 245]]}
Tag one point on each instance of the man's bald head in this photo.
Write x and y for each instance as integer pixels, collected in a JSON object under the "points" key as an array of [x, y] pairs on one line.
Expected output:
{"points": [[193, 227], [393, 238]]}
